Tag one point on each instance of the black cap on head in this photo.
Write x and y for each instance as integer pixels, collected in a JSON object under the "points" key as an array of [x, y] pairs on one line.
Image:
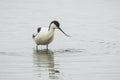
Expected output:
{"points": [[56, 23]]}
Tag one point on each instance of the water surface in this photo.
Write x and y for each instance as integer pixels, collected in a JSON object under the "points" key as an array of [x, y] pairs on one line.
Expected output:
{"points": [[92, 53]]}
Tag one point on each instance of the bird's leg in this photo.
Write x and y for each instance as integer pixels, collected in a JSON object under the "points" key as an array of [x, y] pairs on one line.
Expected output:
{"points": [[47, 47], [36, 47]]}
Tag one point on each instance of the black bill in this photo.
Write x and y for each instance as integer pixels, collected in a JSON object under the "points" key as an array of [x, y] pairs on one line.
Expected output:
{"points": [[64, 32]]}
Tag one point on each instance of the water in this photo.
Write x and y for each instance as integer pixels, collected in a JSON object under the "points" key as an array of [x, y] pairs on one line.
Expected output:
{"points": [[92, 53]]}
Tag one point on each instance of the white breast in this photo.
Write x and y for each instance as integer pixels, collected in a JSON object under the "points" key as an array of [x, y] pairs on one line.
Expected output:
{"points": [[44, 37]]}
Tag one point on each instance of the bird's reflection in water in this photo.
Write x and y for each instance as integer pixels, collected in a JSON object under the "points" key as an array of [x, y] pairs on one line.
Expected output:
{"points": [[44, 63]]}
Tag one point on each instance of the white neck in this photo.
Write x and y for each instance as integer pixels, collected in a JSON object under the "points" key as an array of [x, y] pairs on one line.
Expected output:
{"points": [[51, 31], [53, 26]]}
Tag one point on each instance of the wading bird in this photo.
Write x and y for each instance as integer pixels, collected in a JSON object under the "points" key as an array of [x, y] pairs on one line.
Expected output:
{"points": [[45, 36]]}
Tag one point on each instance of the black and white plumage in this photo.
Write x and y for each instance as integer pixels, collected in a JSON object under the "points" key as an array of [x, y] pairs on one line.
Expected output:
{"points": [[45, 36]]}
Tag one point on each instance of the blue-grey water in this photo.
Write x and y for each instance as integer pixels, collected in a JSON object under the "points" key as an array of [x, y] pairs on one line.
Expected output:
{"points": [[91, 53]]}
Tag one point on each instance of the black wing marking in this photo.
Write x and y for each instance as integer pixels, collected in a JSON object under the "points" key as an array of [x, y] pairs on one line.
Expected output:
{"points": [[38, 30]]}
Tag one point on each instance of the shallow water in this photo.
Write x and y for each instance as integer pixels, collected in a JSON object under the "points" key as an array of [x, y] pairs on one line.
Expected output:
{"points": [[92, 53]]}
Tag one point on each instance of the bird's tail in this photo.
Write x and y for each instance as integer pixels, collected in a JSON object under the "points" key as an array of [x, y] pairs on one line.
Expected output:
{"points": [[33, 36]]}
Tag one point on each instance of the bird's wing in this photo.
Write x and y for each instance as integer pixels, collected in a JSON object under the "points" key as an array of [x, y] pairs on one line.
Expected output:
{"points": [[39, 29]]}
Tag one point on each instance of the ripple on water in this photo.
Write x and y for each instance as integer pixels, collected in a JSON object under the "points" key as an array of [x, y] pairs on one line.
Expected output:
{"points": [[70, 51], [15, 54], [2, 53]]}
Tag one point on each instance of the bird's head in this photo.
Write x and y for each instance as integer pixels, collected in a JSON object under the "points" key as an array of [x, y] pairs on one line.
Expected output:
{"points": [[56, 25]]}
